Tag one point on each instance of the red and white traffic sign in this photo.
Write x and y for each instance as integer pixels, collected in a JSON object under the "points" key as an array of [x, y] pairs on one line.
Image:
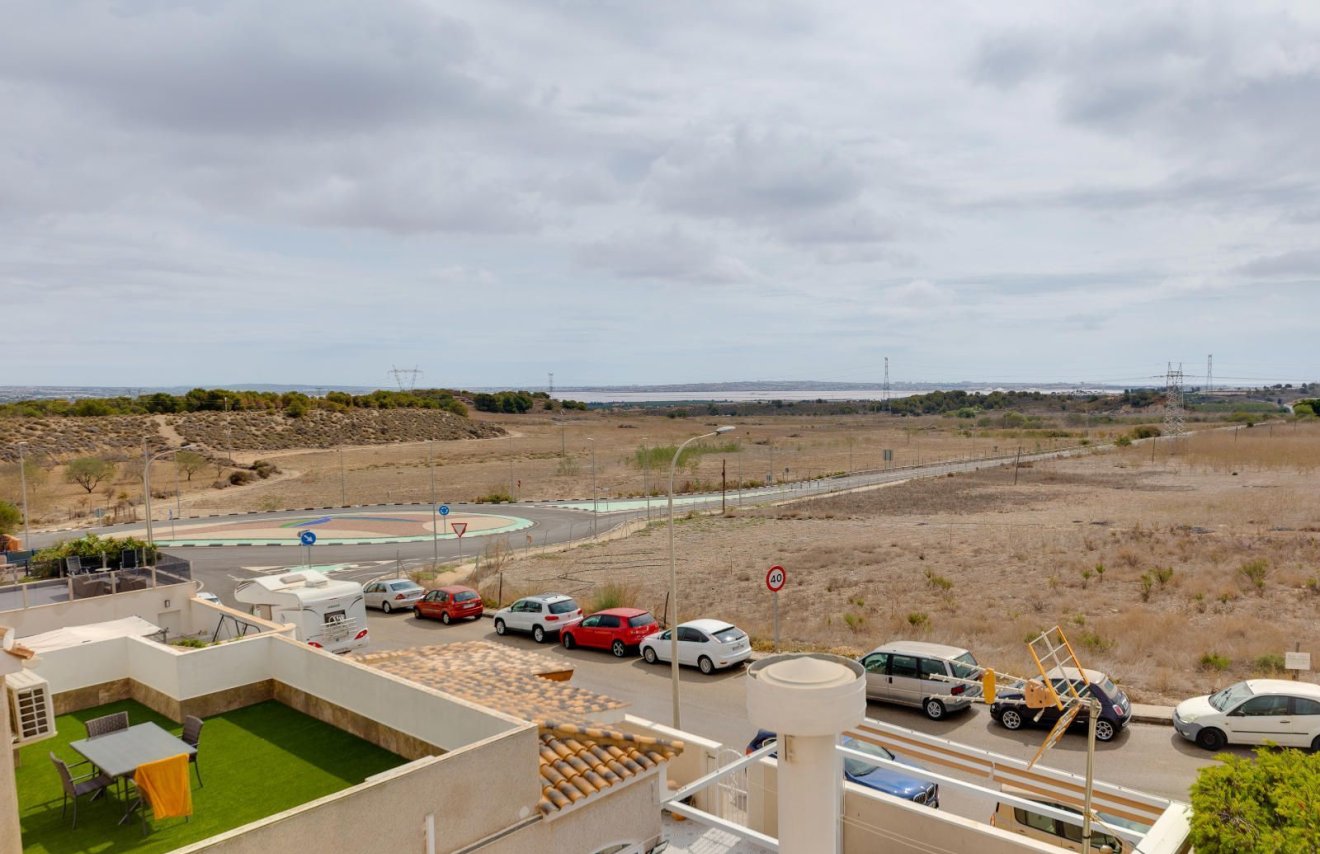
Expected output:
{"points": [[459, 528], [775, 579]]}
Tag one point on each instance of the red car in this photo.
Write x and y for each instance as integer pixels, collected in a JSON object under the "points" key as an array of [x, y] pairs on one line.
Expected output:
{"points": [[449, 603], [615, 629]]}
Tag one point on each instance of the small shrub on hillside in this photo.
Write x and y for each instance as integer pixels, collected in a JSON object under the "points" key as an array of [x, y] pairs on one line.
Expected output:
{"points": [[918, 619], [1123, 441], [1087, 573], [1100, 571], [1094, 642], [1269, 663], [1255, 571], [1147, 583], [265, 468], [499, 496], [937, 581], [1163, 574], [612, 595], [1214, 661], [854, 621], [1145, 431], [240, 477]]}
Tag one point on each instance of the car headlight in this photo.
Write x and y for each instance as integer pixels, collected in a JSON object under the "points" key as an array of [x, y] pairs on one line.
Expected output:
{"points": [[1184, 716]]}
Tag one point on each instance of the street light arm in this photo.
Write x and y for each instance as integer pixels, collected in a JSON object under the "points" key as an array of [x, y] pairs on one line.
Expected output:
{"points": [[673, 570]]}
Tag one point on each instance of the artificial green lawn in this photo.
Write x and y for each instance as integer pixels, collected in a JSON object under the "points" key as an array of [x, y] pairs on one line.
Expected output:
{"points": [[255, 762]]}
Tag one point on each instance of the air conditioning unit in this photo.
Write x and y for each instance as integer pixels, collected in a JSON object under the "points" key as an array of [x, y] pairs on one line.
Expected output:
{"points": [[31, 715]]}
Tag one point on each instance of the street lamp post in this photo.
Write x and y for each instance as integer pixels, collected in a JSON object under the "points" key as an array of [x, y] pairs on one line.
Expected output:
{"points": [[673, 569], [146, 484], [595, 508], [22, 476]]}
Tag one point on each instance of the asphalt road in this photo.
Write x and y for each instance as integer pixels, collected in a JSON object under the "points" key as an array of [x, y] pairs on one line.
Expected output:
{"points": [[1147, 757]]}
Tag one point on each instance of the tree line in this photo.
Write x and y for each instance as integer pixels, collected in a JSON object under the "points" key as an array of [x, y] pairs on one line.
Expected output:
{"points": [[292, 403]]}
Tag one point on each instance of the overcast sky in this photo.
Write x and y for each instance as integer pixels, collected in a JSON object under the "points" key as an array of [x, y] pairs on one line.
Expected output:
{"points": [[214, 193]]}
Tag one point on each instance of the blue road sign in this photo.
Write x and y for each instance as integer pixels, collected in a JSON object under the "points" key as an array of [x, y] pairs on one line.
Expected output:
{"points": [[444, 509], [307, 538]]}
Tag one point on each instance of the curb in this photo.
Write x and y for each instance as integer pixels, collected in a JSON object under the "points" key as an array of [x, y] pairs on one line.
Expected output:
{"points": [[1146, 714]]}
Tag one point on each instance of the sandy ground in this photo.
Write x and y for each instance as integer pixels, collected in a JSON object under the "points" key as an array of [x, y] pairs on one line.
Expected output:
{"points": [[977, 561], [542, 458]]}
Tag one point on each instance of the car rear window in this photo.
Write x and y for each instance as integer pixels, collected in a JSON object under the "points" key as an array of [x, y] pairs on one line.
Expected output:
{"points": [[731, 634], [641, 620], [465, 596], [563, 607], [405, 585]]}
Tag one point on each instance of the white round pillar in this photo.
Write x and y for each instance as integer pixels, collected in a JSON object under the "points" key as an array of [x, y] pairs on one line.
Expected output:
{"points": [[808, 700]]}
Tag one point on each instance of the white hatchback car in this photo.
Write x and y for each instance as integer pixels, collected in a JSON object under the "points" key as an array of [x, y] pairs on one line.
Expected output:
{"points": [[542, 615], [705, 644], [1253, 712]]}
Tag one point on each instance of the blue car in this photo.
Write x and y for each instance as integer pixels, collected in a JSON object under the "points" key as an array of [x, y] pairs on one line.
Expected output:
{"points": [[875, 777]]}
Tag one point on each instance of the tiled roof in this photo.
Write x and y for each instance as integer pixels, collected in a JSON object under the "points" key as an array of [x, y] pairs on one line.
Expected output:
{"points": [[524, 684], [579, 761]]}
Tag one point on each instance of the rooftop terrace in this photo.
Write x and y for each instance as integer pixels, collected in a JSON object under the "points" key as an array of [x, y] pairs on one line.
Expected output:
{"points": [[255, 761]]}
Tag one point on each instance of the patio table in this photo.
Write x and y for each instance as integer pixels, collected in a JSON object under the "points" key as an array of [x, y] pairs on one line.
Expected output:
{"points": [[120, 753]]}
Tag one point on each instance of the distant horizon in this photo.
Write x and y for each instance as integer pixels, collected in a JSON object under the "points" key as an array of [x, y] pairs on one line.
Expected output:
{"points": [[735, 390]]}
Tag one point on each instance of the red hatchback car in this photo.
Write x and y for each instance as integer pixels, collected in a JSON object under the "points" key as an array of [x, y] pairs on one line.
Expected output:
{"points": [[449, 603], [615, 629]]}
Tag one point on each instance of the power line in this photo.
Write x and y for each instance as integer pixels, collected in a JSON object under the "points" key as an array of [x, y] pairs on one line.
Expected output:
{"points": [[405, 375]]}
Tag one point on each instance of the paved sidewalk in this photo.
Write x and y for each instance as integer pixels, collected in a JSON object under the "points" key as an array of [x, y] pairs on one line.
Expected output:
{"points": [[1143, 713]]}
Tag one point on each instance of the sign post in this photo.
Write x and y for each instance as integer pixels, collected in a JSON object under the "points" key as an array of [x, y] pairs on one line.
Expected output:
{"points": [[774, 580], [308, 539], [444, 516], [459, 528]]}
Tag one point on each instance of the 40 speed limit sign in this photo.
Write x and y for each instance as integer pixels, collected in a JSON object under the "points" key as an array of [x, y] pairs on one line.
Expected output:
{"points": [[775, 579]]}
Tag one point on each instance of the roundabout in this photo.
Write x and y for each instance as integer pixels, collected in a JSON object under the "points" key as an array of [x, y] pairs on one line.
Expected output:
{"points": [[340, 529]]}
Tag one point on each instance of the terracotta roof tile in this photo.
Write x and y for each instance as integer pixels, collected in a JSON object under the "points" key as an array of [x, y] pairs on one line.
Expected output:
{"points": [[578, 761]]}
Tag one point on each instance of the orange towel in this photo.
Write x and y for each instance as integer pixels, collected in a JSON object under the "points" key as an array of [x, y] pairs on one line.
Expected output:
{"points": [[165, 785]]}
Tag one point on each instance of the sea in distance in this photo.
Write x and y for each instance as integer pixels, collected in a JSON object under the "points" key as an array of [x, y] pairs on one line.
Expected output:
{"points": [[639, 396]]}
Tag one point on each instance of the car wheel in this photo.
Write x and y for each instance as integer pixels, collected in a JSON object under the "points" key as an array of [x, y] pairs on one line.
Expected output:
{"points": [[618, 649], [707, 666], [569, 643], [1011, 719], [934, 708], [538, 634], [417, 612], [649, 656], [386, 607], [1212, 739], [444, 617], [1315, 744], [1105, 730], [499, 627]]}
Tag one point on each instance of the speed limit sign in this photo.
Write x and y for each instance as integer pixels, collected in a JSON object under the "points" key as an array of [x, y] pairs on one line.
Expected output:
{"points": [[775, 578]]}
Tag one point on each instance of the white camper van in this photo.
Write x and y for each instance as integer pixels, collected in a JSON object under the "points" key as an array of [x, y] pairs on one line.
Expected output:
{"points": [[329, 613]]}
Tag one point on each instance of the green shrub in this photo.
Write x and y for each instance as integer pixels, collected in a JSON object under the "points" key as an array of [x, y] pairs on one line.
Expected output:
{"points": [[1163, 574], [1147, 582], [1269, 663], [240, 477], [937, 581], [1122, 441], [499, 496], [1094, 642], [1257, 806], [90, 547], [1145, 431], [918, 619], [854, 621], [1255, 571], [11, 519], [1215, 661]]}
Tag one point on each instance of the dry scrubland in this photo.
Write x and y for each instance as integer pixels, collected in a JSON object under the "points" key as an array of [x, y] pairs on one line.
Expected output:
{"points": [[385, 455], [1210, 556]]}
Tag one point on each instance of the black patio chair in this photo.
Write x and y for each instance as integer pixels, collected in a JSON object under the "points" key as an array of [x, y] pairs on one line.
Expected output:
{"points": [[192, 736], [107, 724], [75, 787]]}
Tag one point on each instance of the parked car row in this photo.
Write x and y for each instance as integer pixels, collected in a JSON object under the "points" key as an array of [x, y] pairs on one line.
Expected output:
{"points": [[940, 679]]}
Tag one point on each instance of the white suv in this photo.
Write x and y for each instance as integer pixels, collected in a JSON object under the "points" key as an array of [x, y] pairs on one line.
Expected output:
{"points": [[543, 614], [1253, 712]]}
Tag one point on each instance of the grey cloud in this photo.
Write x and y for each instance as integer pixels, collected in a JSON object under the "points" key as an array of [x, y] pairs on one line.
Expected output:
{"points": [[1008, 59], [742, 172], [671, 254], [254, 68], [1304, 263]]}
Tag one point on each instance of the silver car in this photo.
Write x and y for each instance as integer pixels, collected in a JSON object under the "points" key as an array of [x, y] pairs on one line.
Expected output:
{"points": [[915, 673], [396, 594]]}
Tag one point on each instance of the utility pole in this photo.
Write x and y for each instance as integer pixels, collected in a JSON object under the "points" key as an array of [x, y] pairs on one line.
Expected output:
{"points": [[22, 476], [1173, 404], [595, 504], [435, 535], [551, 385], [343, 483], [887, 408], [724, 483], [1209, 373]]}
